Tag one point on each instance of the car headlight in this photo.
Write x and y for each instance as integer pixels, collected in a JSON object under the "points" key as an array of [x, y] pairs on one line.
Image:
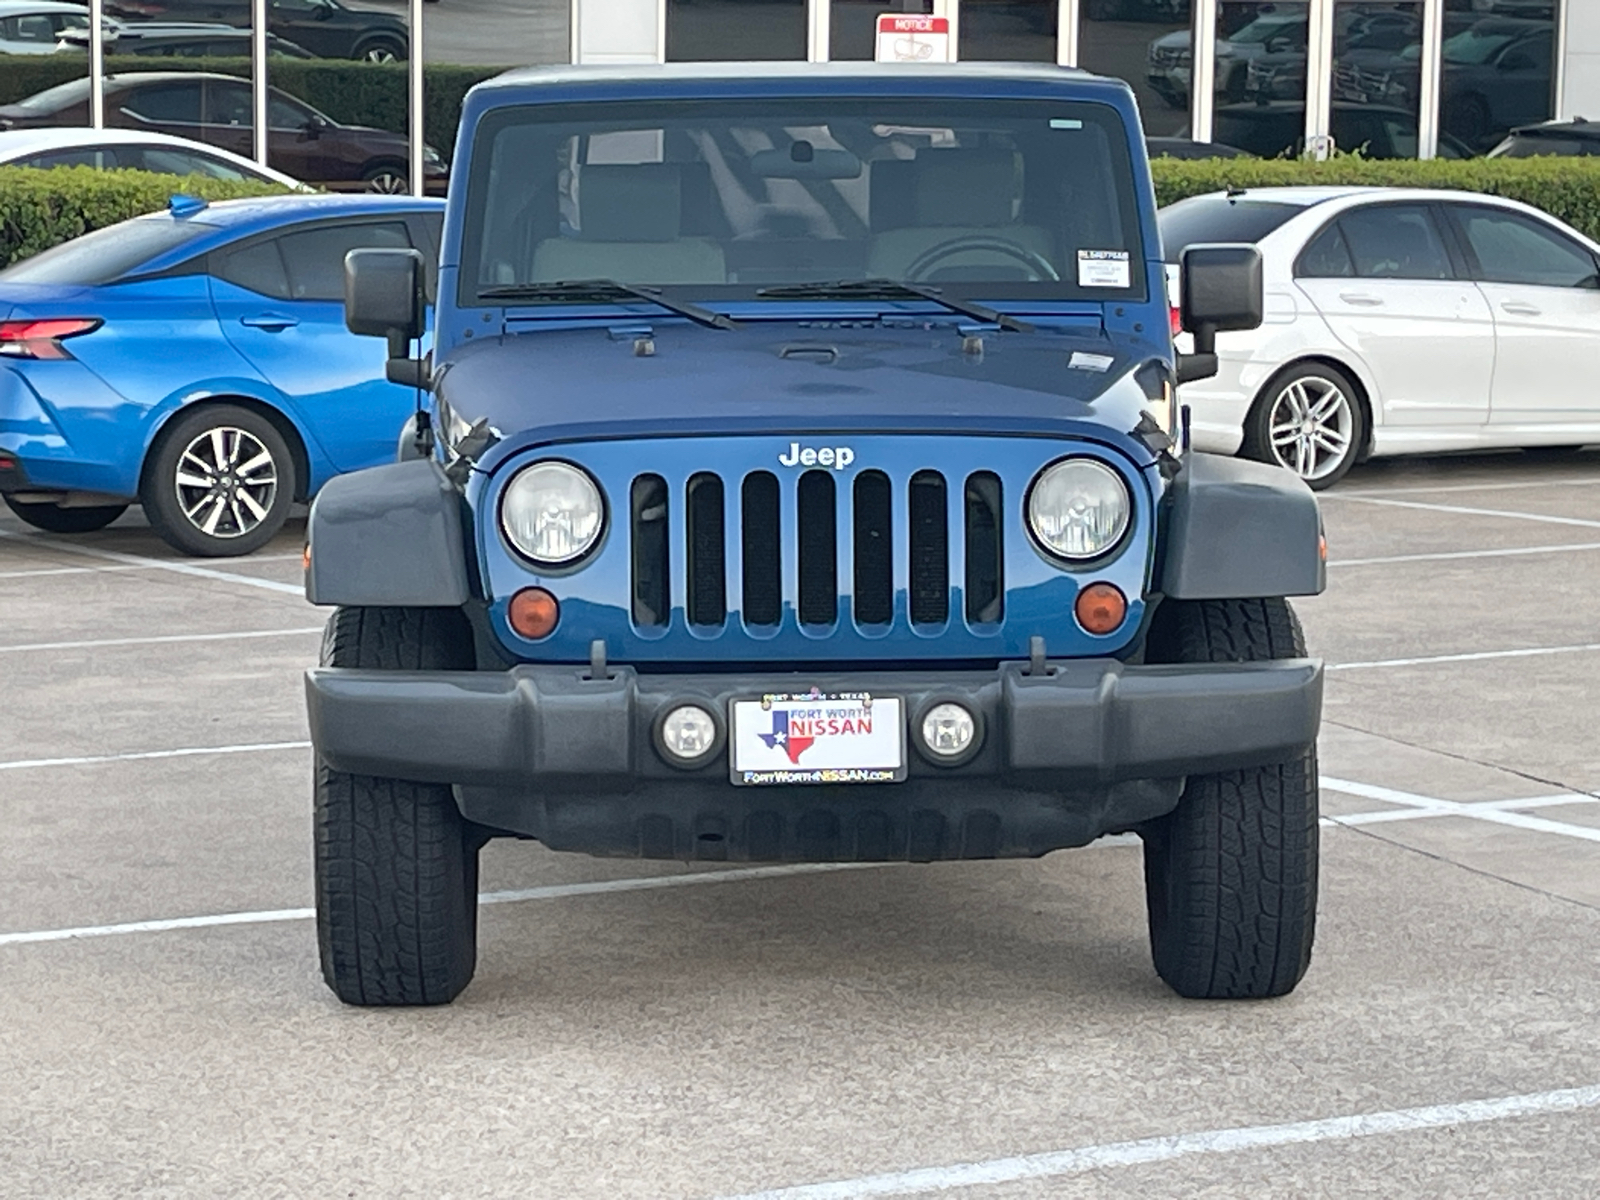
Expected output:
{"points": [[1078, 508], [552, 512]]}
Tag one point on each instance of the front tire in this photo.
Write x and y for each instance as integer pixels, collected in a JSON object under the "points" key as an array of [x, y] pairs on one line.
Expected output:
{"points": [[219, 483], [386, 179], [56, 518], [1309, 419], [1231, 873], [396, 864]]}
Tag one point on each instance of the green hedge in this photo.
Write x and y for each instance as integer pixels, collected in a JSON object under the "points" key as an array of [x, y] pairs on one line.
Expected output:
{"points": [[1568, 188], [40, 208], [352, 93]]}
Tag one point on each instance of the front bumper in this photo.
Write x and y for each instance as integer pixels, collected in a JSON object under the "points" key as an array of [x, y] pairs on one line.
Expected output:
{"points": [[1083, 749]]}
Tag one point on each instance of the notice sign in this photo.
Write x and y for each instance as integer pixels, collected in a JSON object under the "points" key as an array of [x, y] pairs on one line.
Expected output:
{"points": [[915, 39]]}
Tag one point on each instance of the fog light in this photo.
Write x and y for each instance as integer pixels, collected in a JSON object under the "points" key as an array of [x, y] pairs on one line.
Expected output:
{"points": [[1101, 608], [948, 730], [688, 733], [533, 613]]}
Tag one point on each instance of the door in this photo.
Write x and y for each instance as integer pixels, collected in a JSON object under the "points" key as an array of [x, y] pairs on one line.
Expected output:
{"points": [[1544, 289], [1382, 278], [229, 116], [281, 303]]}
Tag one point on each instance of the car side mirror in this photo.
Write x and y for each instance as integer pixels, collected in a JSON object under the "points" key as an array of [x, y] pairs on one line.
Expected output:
{"points": [[312, 128], [383, 297], [1220, 289]]}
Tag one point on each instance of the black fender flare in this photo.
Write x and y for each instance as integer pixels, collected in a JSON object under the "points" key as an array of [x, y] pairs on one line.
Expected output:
{"points": [[389, 537], [1240, 530]]}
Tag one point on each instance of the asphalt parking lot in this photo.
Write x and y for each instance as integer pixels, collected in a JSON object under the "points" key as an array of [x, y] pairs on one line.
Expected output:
{"points": [[653, 1030]]}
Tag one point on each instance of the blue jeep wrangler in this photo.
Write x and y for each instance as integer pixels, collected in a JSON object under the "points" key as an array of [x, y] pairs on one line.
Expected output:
{"points": [[801, 481]]}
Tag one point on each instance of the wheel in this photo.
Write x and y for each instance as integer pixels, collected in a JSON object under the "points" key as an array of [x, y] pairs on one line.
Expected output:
{"points": [[1231, 873], [1468, 118], [396, 865], [54, 518], [387, 179], [383, 50], [1309, 419], [220, 482]]}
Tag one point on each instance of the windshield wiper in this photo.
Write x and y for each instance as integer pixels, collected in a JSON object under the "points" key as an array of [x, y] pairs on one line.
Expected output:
{"points": [[604, 290], [890, 289]]}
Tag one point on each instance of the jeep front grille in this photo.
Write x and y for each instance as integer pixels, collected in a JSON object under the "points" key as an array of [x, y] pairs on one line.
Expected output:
{"points": [[881, 525]]}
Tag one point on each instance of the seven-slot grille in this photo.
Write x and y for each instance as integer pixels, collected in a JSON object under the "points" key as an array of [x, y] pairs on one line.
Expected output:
{"points": [[745, 520]]}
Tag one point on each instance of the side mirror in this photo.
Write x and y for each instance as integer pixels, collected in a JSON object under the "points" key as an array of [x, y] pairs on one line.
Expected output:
{"points": [[383, 297], [1221, 289], [312, 128]]}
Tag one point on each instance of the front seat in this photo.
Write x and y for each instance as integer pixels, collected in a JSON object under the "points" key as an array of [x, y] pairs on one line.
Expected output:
{"points": [[630, 220], [953, 194]]}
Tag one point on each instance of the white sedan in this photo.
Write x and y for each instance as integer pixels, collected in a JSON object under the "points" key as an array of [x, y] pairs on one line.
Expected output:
{"points": [[1398, 321], [132, 149]]}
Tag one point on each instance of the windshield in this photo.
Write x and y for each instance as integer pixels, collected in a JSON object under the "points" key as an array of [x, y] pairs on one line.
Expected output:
{"points": [[1012, 198], [1219, 219], [1265, 29], [1474, 46], [74, 91], [104, 255]]}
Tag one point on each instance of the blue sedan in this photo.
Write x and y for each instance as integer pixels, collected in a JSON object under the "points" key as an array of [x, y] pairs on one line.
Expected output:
{"points": [[196, 362]]}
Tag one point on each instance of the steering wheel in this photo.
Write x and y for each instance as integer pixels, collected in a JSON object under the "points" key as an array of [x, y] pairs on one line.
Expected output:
{"points": [[923, 265]]}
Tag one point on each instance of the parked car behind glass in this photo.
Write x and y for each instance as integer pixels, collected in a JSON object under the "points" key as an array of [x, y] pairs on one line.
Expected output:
{"points": [[1398, 322], [198, 364], [33, 26], [325, 27], [1576, 138], [207, 107], [154, 40]]}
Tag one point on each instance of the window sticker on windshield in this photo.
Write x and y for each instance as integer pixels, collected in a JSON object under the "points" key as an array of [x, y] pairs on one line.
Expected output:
{"points": [[1090, 362], [1103, 268]]}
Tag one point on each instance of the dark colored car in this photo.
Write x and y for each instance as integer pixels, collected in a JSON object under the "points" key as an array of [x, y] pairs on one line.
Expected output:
{"points": [[159, 40], [1378, 131], [1177, 147], [213, 108], [1576, 138], [324, 27]]}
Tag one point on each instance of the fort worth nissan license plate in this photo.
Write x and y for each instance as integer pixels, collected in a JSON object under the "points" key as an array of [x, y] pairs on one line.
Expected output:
{"points": [[816, 737]]}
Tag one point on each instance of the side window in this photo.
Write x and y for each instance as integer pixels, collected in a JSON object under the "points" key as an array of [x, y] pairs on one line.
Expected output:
{"points": [[257, 267], [173, 103], [227, 103], [315, 257], [84, 156], [281, 114], [1395, 241], [1327, 257], [1512, 248], [166, 160], [37, 29]]}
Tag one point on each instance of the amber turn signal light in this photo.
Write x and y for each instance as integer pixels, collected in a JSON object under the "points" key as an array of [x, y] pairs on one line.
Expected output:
{"points": [[533, 613], [1101, 607]]}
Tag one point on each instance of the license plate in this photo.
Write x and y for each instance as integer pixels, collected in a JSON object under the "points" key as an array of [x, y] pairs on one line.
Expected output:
{"points": [[837, 737]]}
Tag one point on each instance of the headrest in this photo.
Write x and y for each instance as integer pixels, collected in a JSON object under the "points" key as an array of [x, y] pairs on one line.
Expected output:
{"points": [[640, 202], [965, 187]]}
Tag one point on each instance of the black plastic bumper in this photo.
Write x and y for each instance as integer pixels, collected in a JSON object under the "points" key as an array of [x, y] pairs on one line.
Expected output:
{"points": [[1088, 747]]}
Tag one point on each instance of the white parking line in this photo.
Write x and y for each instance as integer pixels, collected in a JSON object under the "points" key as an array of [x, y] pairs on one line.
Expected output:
{"points": [[23, 764], [1352, 493], [1500, 814], [33, 571], [162, 564], [161, 640], [1060, 1163], [1447, 556], [1473, 656], [557, 891], [1542, 518]]}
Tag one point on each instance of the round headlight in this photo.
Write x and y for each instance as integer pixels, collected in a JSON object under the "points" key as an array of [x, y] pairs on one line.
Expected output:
{"points": [[552, 512], [1078, 508]]}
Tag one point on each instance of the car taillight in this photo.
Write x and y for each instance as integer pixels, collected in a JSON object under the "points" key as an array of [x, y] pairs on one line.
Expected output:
{"points": [[42, 338], [1177, 320]]}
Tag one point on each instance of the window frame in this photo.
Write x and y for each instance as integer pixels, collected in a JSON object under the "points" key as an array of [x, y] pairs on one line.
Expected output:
{"points": [[1453, 256], [210, 262]]}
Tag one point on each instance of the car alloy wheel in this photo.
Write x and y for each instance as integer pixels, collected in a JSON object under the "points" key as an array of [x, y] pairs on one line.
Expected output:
{"points": [[379, 54], [1312, 427], [388, 183], [226, 482]]}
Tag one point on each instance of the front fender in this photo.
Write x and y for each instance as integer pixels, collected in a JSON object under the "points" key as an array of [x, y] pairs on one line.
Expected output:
{"points": [[1239, 530], [388, 536]]}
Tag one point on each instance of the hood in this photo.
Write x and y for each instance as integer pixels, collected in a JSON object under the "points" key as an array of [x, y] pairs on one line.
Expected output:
{"points": [[775, 376]]}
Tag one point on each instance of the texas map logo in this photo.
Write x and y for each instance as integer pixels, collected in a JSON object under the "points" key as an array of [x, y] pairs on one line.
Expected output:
{"points": [[794, 734]]}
